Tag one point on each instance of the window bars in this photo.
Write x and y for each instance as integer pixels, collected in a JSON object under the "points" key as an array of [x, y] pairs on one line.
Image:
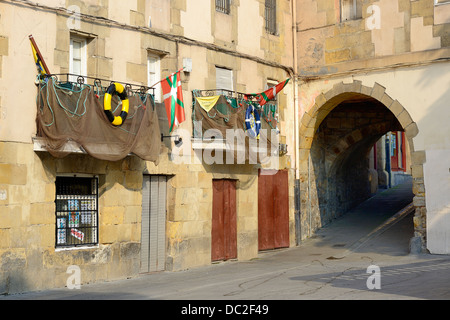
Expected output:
{"points": [[223, 6], [271, 16], [76, 212]]}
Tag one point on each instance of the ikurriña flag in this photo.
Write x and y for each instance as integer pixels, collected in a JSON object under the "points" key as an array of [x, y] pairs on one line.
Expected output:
{"points": [[173, 99], [269, 94]]}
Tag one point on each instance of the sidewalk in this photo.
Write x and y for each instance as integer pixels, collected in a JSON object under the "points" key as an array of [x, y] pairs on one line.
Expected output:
{"points": [[332, 265]]}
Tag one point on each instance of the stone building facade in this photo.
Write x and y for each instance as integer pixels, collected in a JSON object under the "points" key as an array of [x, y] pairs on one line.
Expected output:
{"points": [[132, 42], [359, 70]]}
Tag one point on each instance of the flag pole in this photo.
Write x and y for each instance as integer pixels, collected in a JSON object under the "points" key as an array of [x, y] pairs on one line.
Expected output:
{"points": [[167, 77], [38, 53]]}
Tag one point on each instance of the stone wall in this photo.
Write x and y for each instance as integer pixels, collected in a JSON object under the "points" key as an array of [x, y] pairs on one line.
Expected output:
{"points": [[386, 39], [118, 42], [29, 260], [382, 29], [189, 208]]}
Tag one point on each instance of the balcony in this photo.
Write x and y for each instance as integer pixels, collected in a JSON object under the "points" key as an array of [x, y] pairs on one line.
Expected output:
{"points": [[72, 118], [218, 113]]}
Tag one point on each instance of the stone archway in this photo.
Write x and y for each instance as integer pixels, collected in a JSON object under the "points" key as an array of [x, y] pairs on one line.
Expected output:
{"points": [[342, 93]]}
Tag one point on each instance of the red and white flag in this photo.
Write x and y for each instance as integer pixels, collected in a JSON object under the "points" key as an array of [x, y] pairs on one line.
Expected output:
{"points": [[173, 99], [269, 94]]}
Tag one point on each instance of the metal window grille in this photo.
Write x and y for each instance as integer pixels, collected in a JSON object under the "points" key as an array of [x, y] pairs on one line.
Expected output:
{"points": [[271, 16], [223, 6], [76, 212]]}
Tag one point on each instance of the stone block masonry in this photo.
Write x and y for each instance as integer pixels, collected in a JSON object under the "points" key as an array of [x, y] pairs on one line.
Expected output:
{"points": [[28, 258]]}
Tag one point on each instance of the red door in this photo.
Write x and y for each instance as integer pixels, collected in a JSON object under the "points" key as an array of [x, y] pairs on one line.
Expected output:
{"points": [[394, 151], [398, 156], [224, 227], [273, 211]]}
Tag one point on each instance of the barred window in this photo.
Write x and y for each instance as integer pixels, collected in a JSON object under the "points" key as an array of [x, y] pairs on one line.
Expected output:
{"points": [[271, 16], [76, 212], [223, 6]]}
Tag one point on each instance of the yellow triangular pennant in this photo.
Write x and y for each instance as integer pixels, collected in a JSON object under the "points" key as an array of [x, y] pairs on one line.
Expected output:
{"points": [[207, 103]]}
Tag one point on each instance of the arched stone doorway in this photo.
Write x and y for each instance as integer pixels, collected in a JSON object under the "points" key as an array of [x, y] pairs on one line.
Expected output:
{"points": [[337, 133]]}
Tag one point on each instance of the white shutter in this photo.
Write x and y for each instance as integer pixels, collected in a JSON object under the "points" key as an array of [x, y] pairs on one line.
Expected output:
{"points": [[153, 223], [145, 224], [154, 75], [348, 9], [224, 79], [78, 58], [153, 234], [161, 251]]}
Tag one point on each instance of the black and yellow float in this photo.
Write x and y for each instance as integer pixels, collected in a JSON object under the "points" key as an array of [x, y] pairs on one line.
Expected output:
{"points": [[116, 88]]}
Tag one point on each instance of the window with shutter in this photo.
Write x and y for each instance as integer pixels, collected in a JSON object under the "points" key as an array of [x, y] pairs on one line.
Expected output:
{"points": [[78, 58], [270, 16], [224, 79], [154, 75], [351, 10]]}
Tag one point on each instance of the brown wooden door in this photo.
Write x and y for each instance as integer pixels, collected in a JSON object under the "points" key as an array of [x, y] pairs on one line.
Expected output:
{"points": [[223, 233], [273, 211]]}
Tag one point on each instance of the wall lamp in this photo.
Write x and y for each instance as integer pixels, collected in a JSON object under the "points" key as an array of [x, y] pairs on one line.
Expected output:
{"points": [[177, 139], [282, 149]]}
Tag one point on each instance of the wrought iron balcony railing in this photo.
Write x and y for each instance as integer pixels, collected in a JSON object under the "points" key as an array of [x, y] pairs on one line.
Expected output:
{"points": [[70, 80]]}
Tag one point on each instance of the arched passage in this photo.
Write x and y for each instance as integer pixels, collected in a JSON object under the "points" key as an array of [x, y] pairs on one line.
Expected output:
{"points": [[336, 136]]}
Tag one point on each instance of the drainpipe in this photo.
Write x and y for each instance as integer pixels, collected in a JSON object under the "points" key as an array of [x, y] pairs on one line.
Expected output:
{"points": [[296, 127]]}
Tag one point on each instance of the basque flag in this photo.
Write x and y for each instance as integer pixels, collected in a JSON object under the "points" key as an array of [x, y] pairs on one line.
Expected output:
{"points": [[269, 94], [173, 99]]}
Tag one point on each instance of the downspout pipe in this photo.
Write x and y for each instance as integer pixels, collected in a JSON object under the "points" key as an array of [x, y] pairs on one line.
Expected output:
{"points": [[296, 125]]}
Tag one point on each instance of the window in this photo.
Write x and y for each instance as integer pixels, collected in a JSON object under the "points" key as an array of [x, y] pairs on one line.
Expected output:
{"points": [[223, 6], [350, 10], [270, 16], [224, 79], [78, 60], [154, 74], [76, 212], [270, 109]]}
